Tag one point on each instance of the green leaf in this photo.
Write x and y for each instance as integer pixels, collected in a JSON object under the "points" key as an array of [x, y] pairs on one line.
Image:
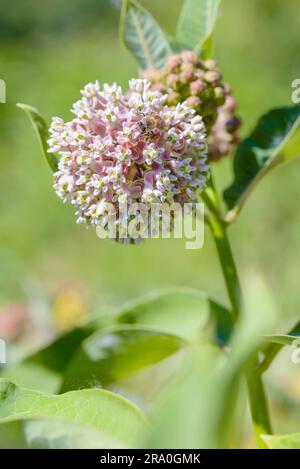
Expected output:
{"points": [[196, 24], [116, 419], [186, 413], [142, 36], [33, 375], [42, 131], [180, 311], [275, 140], [52, 434], [12, 436], [58, 353], [108, 357], [291, 441]]}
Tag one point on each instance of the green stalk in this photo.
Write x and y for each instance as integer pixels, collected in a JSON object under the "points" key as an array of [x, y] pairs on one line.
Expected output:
{"points": [[256, 393], [258, 406]]}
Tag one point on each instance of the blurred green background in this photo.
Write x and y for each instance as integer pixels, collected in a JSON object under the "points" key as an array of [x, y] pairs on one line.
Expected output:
{"points": [[48, 51]]}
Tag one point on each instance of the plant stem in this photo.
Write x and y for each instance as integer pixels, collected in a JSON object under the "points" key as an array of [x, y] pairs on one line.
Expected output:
{"points": [[256, 393], [258, 406], [227, 264]]}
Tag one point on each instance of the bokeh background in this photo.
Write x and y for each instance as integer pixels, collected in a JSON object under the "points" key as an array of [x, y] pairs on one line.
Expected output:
{"points": [[56, 271]]}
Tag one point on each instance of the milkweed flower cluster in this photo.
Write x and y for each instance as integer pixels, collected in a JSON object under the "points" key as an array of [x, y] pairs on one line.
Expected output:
{"points": [[129, 148], [224, 134], [185, 77]]}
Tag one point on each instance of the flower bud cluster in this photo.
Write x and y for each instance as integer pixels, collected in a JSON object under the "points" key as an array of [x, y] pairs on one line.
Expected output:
{"points": [[185, 77]]}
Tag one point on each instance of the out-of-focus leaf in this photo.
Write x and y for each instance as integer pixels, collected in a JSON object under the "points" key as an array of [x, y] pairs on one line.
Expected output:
{"points": [[53, 434], [143, 36], [188, 411], [58, 353], [12, 436], [43, 434], [117, 419], [109, 357], [144, 386], [275, 343], [291, 441], [181, 311], [42, 131], [281, 339], [275, 140], [196, 23], [43, 369], [33, 376], [258, 316]]}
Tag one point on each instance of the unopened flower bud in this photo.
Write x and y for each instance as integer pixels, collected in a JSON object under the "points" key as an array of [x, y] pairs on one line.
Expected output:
{"points": [[173, 63], [196, 87], [230, 103], [187, 67], [193, 101], [224, 135], [219, 95], [173, 98], [185, 77], [211, 64], [189, 56], [199, 73]]}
